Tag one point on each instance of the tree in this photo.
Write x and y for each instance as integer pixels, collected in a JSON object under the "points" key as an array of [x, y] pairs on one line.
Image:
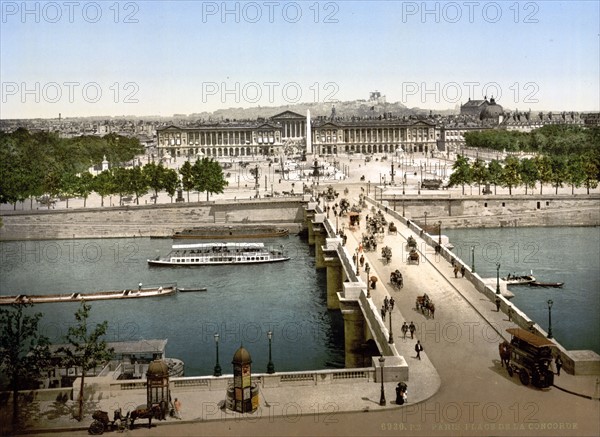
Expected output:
{"points": [[24, 352], [122, 182], [528, 173], [495, 173], [85, 186], [575, 172], [104, 184], [479, 173], [171, 182], [559, 171], [69, 185], [155, 175], [511, 173], [591, 169], [461, 174], [139, 182], [544, 170], [86, 349], [187, 178], [215, 181]]}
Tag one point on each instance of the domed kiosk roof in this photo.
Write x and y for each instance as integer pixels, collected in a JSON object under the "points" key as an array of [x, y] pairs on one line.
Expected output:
{"points": [[241, 356], [157, 368]]}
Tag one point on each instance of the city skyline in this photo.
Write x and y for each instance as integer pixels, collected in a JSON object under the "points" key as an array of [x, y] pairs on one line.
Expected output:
{"points": [[157, 58]]}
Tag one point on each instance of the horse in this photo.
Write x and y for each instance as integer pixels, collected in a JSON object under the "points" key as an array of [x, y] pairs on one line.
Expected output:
{"points": [[504, 349], [142, 412]]}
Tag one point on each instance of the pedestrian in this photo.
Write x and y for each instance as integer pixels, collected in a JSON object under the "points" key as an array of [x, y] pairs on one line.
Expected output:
{"points": [[392, 303], [498, 304], [418, 349], [362, 260], [367, 269], [510, 313], [456, 271], [462, 271], [383, 313], [404, 329], [558, 362], [412, 328], [386, 302], [140, 286], [177, 405]]}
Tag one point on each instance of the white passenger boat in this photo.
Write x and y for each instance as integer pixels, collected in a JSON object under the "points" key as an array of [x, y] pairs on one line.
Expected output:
{"points": [[220, 253]]}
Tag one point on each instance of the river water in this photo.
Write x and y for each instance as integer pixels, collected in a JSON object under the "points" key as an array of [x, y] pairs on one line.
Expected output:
{"points": [[242, 303], [569, 255]]}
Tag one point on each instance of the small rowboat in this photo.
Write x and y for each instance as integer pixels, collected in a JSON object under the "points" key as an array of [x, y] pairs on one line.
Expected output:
{"points": [[190, 289], [546, 284]]}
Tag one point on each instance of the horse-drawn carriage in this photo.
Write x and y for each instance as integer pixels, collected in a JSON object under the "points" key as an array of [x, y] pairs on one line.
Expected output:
{"points": [[119, 423], [102, 423], [392, 229], [396, 279], [425, 305], [413, 257], [369, 243], [386, 254], [411, 243]]}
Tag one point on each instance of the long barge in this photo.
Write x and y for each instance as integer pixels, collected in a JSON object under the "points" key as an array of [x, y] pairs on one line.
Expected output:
{"points": [[87, 297], [231, 232]]}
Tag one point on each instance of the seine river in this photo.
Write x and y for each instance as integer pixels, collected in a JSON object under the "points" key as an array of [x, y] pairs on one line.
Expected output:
{"points": [[242, 303], [569, 255]]}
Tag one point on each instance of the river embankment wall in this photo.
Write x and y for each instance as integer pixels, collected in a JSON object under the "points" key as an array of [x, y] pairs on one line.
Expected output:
{"points": [[498, 211], [161, 220]]}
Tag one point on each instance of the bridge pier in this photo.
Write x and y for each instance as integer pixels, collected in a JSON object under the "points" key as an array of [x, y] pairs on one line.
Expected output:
{"points": [[355, 326], [335, 272], [309, 213], [319, 236]]}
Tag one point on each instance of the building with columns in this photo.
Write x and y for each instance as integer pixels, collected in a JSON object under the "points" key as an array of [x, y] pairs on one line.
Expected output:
{"points": [[229, 139], [373, 136]]}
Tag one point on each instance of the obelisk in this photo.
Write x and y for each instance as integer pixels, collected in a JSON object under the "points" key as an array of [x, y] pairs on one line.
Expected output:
{"points": [[308, 134]]}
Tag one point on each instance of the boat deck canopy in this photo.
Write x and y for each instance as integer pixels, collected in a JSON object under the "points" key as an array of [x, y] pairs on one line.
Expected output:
{"points": [[220, 246], [532, 339]]}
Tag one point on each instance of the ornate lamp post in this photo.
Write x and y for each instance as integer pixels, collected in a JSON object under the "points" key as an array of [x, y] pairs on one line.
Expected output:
{"points": [[473, 259], [392, 173], [497, 278], [382, 397], [550, 303], [357, 264], [440, 233], [217, 371], [270, 365]]}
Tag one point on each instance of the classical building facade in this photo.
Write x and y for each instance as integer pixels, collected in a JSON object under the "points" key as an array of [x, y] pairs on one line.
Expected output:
{"points": [[288, 129]]}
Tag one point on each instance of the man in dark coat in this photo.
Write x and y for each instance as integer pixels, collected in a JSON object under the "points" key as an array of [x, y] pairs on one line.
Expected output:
{"points": [[418, 349]]}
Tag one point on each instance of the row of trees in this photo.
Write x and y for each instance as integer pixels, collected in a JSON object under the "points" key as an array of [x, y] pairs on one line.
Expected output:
{"points": [[205, 175], [32, 164], [574, 170], [25, 354], [551, 140]]}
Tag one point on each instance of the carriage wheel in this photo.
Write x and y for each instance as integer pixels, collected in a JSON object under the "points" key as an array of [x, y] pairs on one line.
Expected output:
{"points": [[510, 371], [96, 428], [524, 377]]}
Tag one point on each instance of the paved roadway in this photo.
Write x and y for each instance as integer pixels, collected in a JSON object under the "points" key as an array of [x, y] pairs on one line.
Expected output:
{"points": [[476, 395]]}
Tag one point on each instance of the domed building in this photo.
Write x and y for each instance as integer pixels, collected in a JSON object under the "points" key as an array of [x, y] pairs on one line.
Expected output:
{"points": [[492, 113]]}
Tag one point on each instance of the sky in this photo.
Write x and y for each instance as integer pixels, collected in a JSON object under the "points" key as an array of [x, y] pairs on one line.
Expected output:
{"points": [[115, 58]]}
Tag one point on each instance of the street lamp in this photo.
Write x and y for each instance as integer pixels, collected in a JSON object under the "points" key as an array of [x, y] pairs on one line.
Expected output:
{"points": [[550, 303], [497, 278], [270, 365], [473, 259], [382, 398], [217, 371], [357, 264]]}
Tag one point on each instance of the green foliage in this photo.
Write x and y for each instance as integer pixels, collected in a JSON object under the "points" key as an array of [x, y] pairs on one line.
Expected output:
{"points": [[529, 173], [462, 173], [187, 177], [208, 176], [138, 181], [170, 182], [511, 176], [87, 348], [24, 353]]}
